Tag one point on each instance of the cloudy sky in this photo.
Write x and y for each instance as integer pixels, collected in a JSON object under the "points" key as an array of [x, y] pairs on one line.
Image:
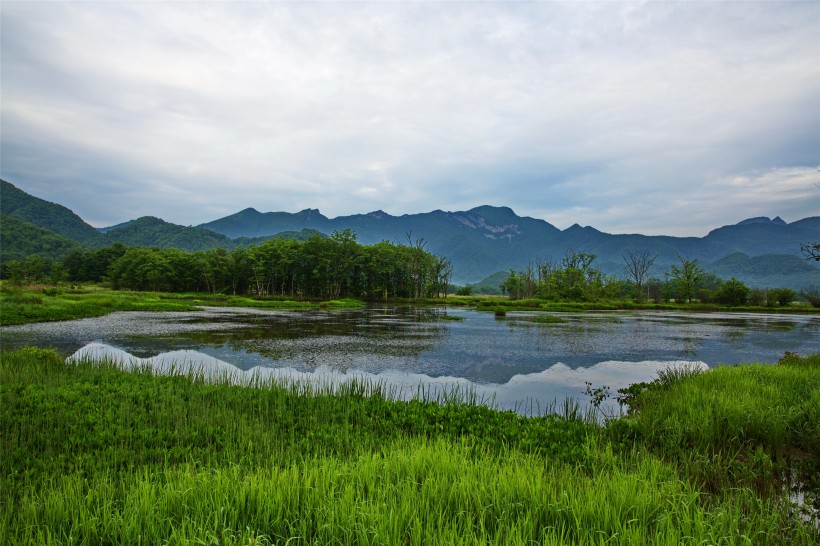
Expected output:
{"points": [[660, 118]]}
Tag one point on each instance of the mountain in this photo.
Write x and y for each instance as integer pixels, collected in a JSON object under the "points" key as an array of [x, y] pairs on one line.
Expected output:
{"points": [[252, 223], [783, 270], [151, 231], [478, 242], [117, 226], [51, 216], [20, 239], [489, 239]]}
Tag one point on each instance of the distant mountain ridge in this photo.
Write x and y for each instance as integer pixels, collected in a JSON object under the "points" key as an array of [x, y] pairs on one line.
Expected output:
{"points": [[487, 239], [479, 242]]}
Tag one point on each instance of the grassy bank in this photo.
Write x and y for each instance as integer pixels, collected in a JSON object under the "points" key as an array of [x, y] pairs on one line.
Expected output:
{"points": [[733, 425], [20, 305], [27, 305], [90, 454], [495, 302]]}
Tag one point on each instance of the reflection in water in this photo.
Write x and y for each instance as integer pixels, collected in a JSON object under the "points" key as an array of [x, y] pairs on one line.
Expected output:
{"points": [[412, 342], [528, 394]]}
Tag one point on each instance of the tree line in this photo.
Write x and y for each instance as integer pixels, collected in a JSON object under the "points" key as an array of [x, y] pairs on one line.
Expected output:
{"points": [[320, 267], [574, 278]]}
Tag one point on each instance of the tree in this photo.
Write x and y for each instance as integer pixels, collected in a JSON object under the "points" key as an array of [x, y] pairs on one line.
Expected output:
{"points": [[733, 292], [781, 297], [687, 277], [637, 268], [812, 295]]}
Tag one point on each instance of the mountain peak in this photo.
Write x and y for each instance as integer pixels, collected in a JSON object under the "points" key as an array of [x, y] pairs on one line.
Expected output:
{"points": [[311, 214], [762, 220], [490, 209]]}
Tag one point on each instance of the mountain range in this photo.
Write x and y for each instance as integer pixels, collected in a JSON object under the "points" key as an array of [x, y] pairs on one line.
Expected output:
{"points": [[479, 242]]}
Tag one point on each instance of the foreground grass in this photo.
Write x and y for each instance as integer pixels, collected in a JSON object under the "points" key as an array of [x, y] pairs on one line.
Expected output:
{"points": [[733, 425], [28, 305], [90, 454]]}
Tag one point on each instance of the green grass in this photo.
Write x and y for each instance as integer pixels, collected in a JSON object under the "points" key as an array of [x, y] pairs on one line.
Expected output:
{"points": [[491, 302], [733, 425], [91, 454], [28, 305], [545, 319]]}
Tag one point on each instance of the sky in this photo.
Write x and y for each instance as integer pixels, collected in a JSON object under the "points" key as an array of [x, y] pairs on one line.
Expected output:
{"points": [[654, 117]]}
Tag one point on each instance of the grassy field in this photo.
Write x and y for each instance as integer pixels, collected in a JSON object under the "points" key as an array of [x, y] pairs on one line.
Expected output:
{"points": [[91, 454], [27, 305]]}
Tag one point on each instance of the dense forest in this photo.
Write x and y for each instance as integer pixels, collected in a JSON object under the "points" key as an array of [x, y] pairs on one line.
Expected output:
{"points": [[320, 267]]}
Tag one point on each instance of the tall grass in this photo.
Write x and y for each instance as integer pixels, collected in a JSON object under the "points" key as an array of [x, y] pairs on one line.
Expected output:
{"points": [[92, 454], [413, 491], [733, 424]]}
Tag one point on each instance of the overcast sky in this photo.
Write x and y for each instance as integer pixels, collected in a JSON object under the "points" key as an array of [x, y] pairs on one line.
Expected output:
{"points": [[659, 118]]}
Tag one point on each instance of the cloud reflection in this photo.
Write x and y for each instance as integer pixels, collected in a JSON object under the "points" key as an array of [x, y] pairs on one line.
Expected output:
{"points": [[526, 393]]}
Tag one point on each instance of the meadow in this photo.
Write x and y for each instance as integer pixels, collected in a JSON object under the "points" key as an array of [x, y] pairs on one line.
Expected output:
{"points": [[20, 305], [25, 305], [92, 454]]}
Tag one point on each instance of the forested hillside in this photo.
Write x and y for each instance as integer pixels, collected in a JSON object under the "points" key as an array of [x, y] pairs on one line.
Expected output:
{"points": [[51, 216], [20, 239]]}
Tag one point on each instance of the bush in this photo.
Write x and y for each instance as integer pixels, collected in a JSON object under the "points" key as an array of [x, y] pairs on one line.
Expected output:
{"points": [[812, 295], [465, 291], [733, 292], [781, 296], [757, 297]]}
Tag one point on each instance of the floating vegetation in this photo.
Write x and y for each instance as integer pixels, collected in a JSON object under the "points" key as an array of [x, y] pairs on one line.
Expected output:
{"points": [[546, 319]]}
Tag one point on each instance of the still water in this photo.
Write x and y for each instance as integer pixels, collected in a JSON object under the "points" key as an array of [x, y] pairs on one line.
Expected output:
{"points": [[514, 362]]}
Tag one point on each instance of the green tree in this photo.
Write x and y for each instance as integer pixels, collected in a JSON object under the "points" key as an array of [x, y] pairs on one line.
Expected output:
{"points": [[781, 297], [687, 277], [733, 292]]}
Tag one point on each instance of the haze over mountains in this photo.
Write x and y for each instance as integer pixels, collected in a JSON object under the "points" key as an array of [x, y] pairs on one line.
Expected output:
{"points": [[479, 242]]}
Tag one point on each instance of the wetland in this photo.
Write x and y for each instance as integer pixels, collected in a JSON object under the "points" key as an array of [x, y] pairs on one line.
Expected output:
{"points": [[519, 361]]}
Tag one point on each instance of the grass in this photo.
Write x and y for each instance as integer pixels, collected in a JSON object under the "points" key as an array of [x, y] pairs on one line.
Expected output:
{"points": [[41, 304], [545, 319], [92, 454], [489, 303], [733, 424], [28, 305]]}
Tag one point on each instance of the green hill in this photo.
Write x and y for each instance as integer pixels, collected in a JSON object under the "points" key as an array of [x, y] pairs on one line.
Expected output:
{"points": [[154, 232], [51, 216], [20, 239], [782, 270]]}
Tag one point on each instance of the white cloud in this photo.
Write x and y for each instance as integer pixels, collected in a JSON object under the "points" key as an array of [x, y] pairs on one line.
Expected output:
{"points": [[608, 114]]}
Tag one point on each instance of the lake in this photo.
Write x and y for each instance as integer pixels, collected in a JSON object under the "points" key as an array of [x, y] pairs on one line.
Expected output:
{"points": [[512, 362]]}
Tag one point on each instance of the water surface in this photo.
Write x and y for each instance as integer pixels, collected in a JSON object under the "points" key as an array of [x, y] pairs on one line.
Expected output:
{"points": [[513, 361]]}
